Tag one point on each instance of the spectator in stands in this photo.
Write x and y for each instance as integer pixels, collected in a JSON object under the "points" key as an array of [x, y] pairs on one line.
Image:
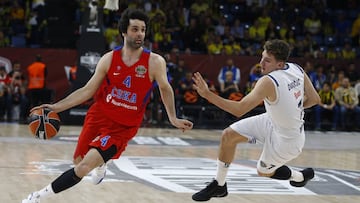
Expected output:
{"points": [[192, 36], [174, 25], [117, 41], [18, 102], [2, 101], [319, 77], [328, 29], [228, 86], [16, 66], [230, 66], [4, 83], [352, 73], [37, 91], [197, 7], [331, 53], [331, 74], [4, 77], [156, 10], [264, 19], [237, 30], [342, 27], [272, 32], [338, 81], [19, 82], [110, 33], [215, 46], [17, 13], [256, 32], [227, 35], [36, 26], [312, 24], [156, 22], [186, 87], [348, 52], [355, 31], [72, 74], [220, 27], [232, 47], [178, 72], [348, 101], [188, 98], [357, 88], [309, 67], [4, 40], [163, 40], [303, 46], [254, 76], [327, 105]]}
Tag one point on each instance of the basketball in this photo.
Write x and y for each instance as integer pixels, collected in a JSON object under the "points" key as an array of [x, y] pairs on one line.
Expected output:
{"points": [[44, 123]]}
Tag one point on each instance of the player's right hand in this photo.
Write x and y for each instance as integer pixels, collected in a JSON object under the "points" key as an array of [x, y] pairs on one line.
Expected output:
{"points": [[182, 124]]}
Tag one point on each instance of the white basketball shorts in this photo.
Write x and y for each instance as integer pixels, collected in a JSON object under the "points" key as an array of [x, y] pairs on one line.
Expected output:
{"points": [[278, 149]]}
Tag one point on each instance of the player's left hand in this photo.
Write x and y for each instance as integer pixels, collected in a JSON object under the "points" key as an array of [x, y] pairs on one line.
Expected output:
{"points": [[200, 85], [182, 124]]}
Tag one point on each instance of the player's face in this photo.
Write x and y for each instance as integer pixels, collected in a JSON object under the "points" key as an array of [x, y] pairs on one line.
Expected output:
{"points": [[268, 63], [134, 38]]}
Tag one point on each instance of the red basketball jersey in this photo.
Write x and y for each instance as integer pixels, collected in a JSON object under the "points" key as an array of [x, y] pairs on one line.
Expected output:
{"points": [[125, 92]]}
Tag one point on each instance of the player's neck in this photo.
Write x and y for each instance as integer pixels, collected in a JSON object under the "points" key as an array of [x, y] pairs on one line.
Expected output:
{"points": [[130, 56], [128, 51]]}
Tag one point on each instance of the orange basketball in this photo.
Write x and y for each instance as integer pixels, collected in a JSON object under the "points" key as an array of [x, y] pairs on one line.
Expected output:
{"points": [[44, 123]]}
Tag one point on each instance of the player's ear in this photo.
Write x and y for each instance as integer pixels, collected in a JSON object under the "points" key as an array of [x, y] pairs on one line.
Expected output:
{"points": [[281, 64]]}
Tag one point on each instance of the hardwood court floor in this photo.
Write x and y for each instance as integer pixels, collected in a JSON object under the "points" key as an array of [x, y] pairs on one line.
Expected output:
{"points": [[19, 177]]}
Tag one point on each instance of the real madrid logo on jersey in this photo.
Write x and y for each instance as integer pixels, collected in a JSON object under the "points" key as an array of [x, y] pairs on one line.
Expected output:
{"points": [[140, 71]]}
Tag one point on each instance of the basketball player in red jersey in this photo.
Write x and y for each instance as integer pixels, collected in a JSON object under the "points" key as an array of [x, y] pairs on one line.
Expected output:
{"points": [[123, 79]]}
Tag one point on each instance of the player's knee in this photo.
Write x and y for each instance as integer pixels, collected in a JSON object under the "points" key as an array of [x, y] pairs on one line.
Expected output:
{"points": [[230, 137], [265, 169], [281, 173], [227, 137]]}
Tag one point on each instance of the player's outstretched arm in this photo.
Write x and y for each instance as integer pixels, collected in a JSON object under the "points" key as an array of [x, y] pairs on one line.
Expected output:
{"points": [[237, 108], [82, 94]]}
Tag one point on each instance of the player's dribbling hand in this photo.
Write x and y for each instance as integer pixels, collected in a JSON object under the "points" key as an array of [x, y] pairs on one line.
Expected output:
{"points": [[200, 84], [42, 106]]}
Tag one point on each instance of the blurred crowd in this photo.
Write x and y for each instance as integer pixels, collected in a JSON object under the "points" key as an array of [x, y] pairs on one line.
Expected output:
{"points": [[21, 90], [318, 29]]}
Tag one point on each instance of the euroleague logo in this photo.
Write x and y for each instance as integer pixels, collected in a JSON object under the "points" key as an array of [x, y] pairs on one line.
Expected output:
{"points": [[140, 71]]}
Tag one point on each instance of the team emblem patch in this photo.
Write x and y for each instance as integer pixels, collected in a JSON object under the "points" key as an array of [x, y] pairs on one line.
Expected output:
{"points": [[140, 71]]}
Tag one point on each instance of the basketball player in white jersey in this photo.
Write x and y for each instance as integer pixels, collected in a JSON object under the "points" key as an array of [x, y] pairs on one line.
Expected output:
{"points": [[286, 90]]}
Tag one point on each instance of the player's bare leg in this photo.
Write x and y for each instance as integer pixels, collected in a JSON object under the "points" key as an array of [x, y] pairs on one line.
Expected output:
{"points": [[69, 178], [218, 187]]}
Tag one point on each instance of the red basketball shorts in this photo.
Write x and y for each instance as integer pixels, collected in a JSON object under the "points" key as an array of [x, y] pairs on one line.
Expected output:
{"points": [[101, 132]]}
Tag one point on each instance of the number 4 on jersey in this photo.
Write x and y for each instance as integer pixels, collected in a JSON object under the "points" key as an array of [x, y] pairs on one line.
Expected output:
{"points": [[127, 81]]}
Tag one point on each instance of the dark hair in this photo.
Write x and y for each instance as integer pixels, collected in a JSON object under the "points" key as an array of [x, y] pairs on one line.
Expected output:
{"points": [[279, 48], [131, 14]]}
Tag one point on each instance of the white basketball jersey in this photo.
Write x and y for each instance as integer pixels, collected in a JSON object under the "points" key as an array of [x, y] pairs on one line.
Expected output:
{"points": [[287, 111]]}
